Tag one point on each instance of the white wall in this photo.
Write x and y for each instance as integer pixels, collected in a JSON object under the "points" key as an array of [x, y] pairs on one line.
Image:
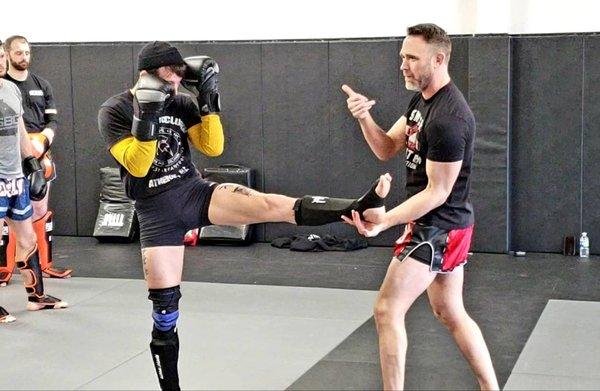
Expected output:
{"points": [[533, 16], [199, 20]]}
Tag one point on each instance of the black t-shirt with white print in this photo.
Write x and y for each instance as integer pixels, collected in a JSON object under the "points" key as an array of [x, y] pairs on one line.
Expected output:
{"points": [[441, 129], [39, 108], [172, 162]]}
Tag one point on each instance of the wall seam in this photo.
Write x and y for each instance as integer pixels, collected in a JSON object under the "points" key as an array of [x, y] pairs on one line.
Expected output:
{"points": [[329, 123], [509, 129], [582, 136], [262, 134], [74, 137]]}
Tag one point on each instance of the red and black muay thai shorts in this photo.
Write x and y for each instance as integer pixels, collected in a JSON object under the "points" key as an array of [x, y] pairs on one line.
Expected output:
{"points": [[441, 249], [166, 217]]}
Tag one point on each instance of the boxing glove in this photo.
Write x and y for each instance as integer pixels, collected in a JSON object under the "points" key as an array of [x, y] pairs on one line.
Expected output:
{"points": [[151, 96], [35, 174], [202, 78]]}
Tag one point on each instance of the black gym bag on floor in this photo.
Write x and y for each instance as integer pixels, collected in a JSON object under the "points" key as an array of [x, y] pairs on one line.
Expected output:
{"points": [[116, 220]]}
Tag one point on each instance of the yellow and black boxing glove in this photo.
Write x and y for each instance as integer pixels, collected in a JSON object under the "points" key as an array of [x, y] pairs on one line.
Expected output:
{"points": [[202, 78]]}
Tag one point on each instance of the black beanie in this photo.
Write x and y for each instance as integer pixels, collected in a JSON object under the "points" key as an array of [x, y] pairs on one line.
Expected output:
{"points": [[157, 54]]}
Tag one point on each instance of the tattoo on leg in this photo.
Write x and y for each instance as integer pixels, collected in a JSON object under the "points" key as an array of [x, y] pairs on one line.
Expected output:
{"points": [[236, 188], [243, 190], [145, 265]]}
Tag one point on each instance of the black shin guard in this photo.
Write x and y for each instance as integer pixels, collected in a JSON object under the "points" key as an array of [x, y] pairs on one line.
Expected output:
{"points": [[165, 354], [165, 341], [317, 210], [32, 275]]}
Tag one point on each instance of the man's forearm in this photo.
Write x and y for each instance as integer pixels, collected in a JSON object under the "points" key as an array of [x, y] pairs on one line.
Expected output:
{"points": [[380, 143], [25, 143], [414, 207]]}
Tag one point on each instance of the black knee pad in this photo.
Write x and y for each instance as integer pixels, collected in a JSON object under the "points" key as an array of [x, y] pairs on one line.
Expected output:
{"points": [[165, 308]]}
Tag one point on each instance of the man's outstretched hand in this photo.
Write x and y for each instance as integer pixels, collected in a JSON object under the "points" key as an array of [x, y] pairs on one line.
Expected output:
{"points": [[374, 218]]}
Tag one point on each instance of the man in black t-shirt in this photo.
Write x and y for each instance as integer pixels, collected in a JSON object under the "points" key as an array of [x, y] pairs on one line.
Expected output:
{"points": [[147, 130], [40, 116], [437, 131]]}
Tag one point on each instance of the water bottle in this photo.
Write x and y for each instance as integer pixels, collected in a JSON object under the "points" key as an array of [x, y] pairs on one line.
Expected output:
{"points": [[584, 246]]}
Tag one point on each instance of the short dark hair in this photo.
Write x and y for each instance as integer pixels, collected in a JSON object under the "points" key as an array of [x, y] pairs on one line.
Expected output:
{"points": [[179, 70], [433, 34], [13, 38]]}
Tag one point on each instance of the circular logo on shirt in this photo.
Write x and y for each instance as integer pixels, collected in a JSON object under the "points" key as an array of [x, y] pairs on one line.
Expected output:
{"points": [[169, 148]]}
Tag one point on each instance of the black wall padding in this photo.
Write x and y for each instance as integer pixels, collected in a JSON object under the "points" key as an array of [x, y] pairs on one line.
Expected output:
{"points": [[241, 98], [546, 142], [94, 80], [372, 69], [135, 49], [591, 143], [488, 95], [297, 151], [459, 63], [53, 63]]}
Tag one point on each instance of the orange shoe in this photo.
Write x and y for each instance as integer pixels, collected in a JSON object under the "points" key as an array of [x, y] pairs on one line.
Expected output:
{"points": [[46, 302], [5, 317]]}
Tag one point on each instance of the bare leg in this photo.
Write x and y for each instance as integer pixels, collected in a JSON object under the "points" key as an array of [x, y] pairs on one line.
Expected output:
{"points": [[445, 296], [41, 207], [403, 283], [26, 240], [163, 266], [233, 204]]}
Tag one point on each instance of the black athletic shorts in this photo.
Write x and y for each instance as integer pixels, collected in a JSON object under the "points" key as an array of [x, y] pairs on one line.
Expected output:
{"points": [[442, 250], [166, 217]]}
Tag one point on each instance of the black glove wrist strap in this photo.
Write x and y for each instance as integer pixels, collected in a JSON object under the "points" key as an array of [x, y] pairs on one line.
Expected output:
{"points": [[144, 130], [31, 165]]}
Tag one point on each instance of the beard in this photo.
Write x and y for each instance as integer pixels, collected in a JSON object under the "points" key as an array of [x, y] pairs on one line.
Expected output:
{"points": [[20, 66], [412, 85], [418, 84]]}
